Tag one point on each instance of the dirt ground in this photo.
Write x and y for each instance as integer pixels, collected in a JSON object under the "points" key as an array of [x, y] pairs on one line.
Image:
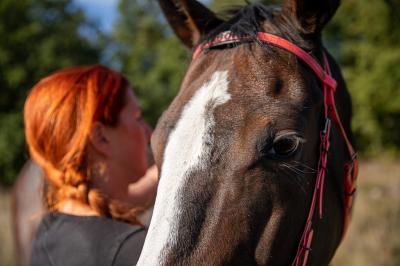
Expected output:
{"points": [[374, 233], [373, 238]]}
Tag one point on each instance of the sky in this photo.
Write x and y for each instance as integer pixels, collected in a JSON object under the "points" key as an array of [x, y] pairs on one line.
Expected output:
{"points": [[103, 11]]}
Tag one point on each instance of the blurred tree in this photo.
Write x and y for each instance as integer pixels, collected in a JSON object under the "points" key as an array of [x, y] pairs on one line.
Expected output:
{"points": [[149, 55], [37, 37], [147, 52], [366, 38], [221, 5]]}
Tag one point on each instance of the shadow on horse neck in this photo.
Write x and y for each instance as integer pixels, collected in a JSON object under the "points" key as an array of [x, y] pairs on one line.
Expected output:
{"points": [[238, 148]]}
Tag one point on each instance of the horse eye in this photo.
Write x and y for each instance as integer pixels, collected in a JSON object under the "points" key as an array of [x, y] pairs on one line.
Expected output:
{"points": [[283, 147]]}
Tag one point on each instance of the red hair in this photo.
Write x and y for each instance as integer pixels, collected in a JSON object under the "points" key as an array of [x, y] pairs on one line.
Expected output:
{"points": [[58, 115]]}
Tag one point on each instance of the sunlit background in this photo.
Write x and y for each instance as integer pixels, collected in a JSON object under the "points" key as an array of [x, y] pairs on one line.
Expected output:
{"points": [[131, 36], [104, 12]]}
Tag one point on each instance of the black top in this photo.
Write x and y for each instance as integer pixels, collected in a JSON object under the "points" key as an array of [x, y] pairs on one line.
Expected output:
{"points": [[67, 240]]}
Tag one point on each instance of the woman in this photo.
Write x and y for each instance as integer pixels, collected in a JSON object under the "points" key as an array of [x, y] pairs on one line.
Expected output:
{"points": [[84, 128]]}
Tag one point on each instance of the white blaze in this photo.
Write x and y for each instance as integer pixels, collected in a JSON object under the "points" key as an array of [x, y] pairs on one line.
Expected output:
{"points": [[185, 151]]}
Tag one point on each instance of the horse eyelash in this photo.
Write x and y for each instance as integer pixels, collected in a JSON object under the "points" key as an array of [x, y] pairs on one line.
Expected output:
{"points": [[290, 133]]}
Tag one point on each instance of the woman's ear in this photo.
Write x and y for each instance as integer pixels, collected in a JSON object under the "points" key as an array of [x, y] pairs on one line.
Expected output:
{"points": [[99, 139]]}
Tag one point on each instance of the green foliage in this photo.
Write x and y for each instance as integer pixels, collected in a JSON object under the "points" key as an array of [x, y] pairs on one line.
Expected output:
{"points": [[11, 145], [221, 5], [366, 40], [37, 37], [149, 55]]}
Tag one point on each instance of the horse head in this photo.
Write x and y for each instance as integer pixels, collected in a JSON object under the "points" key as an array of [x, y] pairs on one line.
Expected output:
{"points": [[239, 146]]}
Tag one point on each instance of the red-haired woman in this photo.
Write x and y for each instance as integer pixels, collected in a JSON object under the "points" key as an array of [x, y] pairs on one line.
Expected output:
{"points": [[84, 128]]}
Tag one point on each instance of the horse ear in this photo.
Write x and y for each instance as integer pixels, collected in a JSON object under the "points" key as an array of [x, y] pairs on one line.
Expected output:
{"points": [[311, 15], [189, 19]]}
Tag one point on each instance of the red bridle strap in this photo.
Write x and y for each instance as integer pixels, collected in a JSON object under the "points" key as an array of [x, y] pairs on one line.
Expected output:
{"points": [[228, 37], [324, 77], [330, 113]]}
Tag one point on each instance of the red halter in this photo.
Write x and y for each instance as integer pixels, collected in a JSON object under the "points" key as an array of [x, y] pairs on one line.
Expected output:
{"points": [[331, 114]]}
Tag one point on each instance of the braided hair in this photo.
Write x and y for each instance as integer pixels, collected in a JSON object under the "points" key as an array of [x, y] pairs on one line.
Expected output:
{"points": [[58, 116]]}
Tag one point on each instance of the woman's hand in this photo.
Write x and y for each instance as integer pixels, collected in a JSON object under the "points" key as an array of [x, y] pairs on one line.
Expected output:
{"points": [[143, 192]]}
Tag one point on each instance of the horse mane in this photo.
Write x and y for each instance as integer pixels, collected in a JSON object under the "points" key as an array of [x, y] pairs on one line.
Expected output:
{"points": [[248, 20]]}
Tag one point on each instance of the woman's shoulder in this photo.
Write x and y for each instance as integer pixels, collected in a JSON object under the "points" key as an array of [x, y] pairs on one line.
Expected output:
{"points": [[92, 240], [130, 249], [61, 221], [88, 228]]}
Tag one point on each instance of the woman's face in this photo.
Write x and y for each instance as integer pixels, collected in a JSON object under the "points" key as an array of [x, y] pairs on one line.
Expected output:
{"points": [[128, 143]]}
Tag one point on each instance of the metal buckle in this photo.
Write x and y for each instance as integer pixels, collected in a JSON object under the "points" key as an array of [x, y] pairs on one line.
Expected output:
{"points": [[327, 125]]}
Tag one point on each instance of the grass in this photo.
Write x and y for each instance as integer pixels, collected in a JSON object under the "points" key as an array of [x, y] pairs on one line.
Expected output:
{"points": [[373, 238]]}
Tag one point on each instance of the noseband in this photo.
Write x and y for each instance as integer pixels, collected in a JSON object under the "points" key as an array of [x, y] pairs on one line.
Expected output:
{"points": [[330, 114]]}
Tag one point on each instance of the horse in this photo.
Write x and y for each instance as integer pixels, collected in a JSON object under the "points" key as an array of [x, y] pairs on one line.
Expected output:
{"points": [[255, 151]]}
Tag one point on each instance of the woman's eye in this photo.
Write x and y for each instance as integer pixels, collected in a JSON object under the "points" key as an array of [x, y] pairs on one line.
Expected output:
{"points": [[283, 147]]}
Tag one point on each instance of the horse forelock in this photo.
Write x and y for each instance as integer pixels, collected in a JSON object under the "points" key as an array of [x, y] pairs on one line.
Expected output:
{"points": [[253, 18]]}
